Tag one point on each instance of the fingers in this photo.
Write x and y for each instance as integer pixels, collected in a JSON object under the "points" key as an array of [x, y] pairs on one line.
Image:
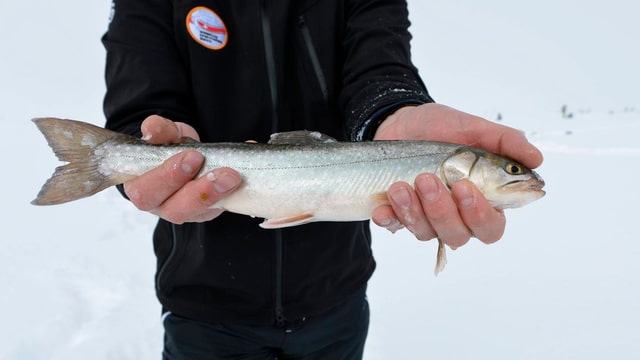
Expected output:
{"points": [[438, 122], [485, 222], [384, 216], [171, 192], [159, 130], [193, 202], [497, 138], [431, 211], [441, 211], [406, 205], [151, 189], [516, 146]]}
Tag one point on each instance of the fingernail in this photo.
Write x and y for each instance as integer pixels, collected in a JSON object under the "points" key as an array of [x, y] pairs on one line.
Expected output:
{"points": [[464, 194], [191, 162], [391, 224], [428, 187], [223, 181], [384, 222], [401, 197], [147, 134], [395, 226]]}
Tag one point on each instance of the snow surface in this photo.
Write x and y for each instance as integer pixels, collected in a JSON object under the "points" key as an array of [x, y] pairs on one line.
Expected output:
{"points": [[77, 280]]}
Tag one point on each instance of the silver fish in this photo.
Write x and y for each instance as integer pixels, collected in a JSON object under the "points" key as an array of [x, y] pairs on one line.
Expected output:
{"points": [[296, 178]]}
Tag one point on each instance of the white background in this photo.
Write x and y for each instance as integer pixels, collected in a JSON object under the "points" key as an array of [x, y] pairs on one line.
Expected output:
{"points": [[76, 281]]}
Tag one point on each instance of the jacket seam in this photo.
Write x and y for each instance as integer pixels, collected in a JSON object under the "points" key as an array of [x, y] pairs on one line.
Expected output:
{"points": [[313, 56], [273, 87]]}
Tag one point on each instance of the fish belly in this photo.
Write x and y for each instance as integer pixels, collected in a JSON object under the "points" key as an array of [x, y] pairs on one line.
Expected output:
{"points": [[346, 192]]}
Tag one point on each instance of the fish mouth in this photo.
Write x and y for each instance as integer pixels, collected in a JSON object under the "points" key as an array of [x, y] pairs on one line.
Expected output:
{"points": [[529, 185], [536, 187], [518, 193]]}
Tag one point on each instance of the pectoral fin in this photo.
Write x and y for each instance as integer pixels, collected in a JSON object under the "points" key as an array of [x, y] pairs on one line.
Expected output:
{"points": [[441, 259], [380, 198], [287, 222]]}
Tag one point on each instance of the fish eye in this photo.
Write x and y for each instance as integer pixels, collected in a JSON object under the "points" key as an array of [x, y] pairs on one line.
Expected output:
{"points": [[514, 169]]}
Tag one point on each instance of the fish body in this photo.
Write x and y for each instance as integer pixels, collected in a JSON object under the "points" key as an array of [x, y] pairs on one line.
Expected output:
{"points": [[296, 178], [335, 181]]}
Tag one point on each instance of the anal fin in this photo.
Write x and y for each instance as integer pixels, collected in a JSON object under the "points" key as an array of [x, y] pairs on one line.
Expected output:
{"points": [[287, 222]]}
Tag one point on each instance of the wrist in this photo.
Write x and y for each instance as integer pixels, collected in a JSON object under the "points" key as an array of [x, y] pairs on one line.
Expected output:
{"points": [[392, 127], [371, 126]]}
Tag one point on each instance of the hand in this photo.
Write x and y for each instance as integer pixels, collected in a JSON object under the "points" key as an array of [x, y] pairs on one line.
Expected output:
{"points": [[170, 190], [428, 210]]}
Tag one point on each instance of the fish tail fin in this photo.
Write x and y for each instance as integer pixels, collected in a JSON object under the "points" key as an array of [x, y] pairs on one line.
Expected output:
{"points": [[74, 142]]}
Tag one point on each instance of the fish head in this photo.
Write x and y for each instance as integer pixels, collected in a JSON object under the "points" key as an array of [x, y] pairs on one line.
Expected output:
{"points": [[505, 183]]}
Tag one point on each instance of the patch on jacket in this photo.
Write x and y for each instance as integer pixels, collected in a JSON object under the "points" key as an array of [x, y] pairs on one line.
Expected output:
{"points": [[207, 28]]}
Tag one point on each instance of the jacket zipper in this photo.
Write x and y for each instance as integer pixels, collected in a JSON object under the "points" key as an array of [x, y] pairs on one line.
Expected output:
{"points": [[313, 55], [280, 318], [273, 87], [172, 254]]}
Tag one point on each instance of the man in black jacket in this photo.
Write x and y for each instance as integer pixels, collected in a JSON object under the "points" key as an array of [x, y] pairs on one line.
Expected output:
{"points": [[239, 70]]}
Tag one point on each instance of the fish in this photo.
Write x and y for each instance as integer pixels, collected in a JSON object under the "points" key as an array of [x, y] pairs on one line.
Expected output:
{"points": [[296, 178]]}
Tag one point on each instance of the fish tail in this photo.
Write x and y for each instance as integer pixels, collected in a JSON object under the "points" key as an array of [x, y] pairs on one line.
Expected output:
{"points": [[74, 142]]}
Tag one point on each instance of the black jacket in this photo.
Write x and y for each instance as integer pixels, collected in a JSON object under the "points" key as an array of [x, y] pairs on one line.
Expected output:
{"points": [[335, 66]]}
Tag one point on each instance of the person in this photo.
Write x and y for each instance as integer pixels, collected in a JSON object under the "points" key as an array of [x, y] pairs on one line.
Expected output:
{"points": [[241, 70]]}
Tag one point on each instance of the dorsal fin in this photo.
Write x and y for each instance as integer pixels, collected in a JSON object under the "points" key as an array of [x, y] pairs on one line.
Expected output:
{"points": [[185, 140], [300, 137]]}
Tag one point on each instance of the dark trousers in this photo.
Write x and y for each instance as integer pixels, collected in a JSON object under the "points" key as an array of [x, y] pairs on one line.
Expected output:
{"points": [[338, 334]]}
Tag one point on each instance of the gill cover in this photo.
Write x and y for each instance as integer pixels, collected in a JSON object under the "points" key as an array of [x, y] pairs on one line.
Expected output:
{"points": [[458, 166]]}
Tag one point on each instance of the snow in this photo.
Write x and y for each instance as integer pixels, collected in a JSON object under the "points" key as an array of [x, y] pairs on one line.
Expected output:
{"points": [[77, 279]]}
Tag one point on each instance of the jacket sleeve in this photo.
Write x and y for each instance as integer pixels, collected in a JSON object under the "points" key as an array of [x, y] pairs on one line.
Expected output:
{"points": [[378, 74], [144, 72]]}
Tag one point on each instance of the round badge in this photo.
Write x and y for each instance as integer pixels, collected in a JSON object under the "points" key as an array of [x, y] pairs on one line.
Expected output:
{"points": [[207, 28]]}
